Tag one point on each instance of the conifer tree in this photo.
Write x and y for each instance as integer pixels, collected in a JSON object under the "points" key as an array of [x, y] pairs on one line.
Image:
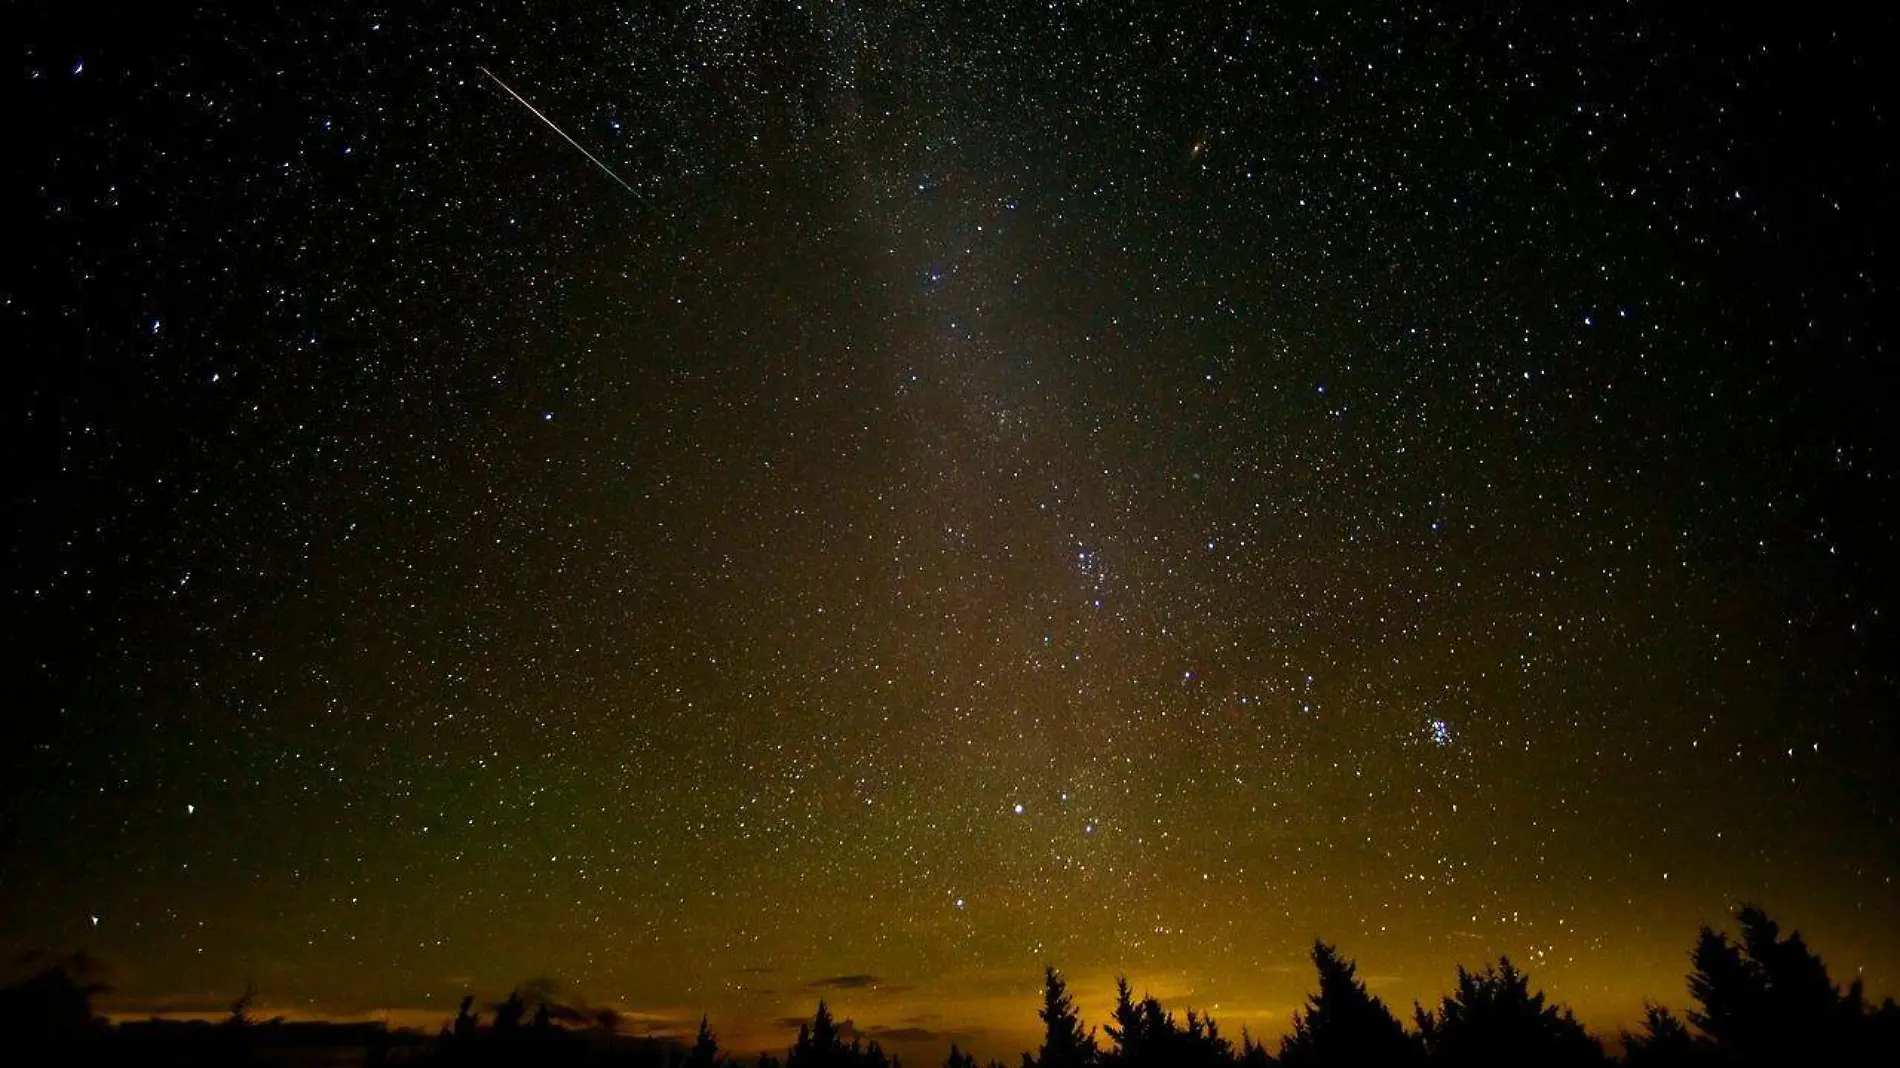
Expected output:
{"points": [[1664, 1041], [820, 1043], [465, 1021], [705, 1050], [1766, 999], [508, 1014], [1126, 1028], [1064, 1045], [1343, 1024], [1253, 1054], [1202, 1044], [1494, 1018]]}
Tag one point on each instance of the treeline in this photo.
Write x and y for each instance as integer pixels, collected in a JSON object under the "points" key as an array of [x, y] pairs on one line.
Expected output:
{"points": [[1756, 999], [1759, 999]]}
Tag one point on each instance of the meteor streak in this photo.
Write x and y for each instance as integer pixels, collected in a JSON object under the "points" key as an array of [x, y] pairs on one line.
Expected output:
{"points": [[583, 150]]}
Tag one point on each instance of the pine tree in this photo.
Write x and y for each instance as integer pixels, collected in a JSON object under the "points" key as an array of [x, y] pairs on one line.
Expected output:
{"points": [[1766, 999], [1664, 1042], [1344, 1024], [1126, 1028], [465, 1021], [508, 1014], [705, 1051], [241, 1008], [1145, 1034], [1064, 1045], [1202, 1043], [958, 1058], [1495, 1019], [820, 1044], [1253, 1054]]}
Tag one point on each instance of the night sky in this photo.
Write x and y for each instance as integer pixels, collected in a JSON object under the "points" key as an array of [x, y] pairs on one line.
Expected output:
{"points": [[946, 488]]}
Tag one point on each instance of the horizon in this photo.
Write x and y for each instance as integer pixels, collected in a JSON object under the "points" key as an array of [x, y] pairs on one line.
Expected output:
{"points": [[894, 1019]]}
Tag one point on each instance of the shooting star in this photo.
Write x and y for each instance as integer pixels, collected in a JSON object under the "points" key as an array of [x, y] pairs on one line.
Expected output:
{"points": [[583, 150]]}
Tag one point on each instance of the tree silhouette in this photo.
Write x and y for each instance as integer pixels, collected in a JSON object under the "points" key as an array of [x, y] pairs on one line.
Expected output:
{"points": [[1759, 999], [1495, 1019], [1344, 1024], [819, 1044], [508, 1014], [465, 1021], [871, 1056], [1202, 1045], [705, 1050], [52, 1008], [241, 1008], [1883, 1030], [1664, 1040], [1765, 999], [1064, 1045], [1145, 1034], [1253, 1054], [1127, 1028]]}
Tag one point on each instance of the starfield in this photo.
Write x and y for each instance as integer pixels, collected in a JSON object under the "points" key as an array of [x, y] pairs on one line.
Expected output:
{"points": [[576, 533]]}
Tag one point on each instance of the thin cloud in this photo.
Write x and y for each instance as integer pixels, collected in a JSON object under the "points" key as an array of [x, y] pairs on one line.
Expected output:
{"points": [[845, 982], [915, 1034]]}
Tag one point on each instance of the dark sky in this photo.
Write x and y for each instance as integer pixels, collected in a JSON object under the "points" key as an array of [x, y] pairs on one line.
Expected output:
{"points": [[949, 487]]}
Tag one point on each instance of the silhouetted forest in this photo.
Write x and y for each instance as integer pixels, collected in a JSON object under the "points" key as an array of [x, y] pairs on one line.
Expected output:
{"points": [[1754, 999]]}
